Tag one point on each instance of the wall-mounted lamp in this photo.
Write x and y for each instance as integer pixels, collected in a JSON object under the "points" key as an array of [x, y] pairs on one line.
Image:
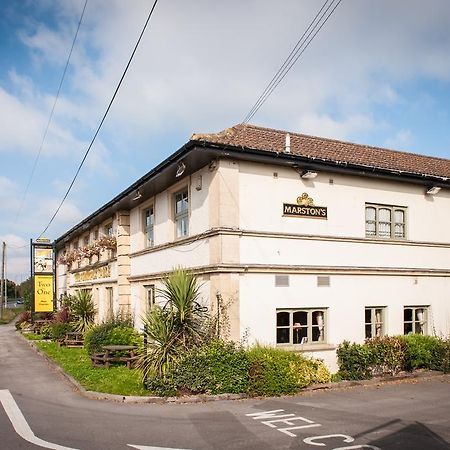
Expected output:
{"points": [[308, 174], [433, 190], [181, 167], [212, 165], [138, 195]]}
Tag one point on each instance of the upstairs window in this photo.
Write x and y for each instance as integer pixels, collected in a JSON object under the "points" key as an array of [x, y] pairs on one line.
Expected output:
{"points": [[384, 221], [181, 214], [149, 221], [108, 230]]}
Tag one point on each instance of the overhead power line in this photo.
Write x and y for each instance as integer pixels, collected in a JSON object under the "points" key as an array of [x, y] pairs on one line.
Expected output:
{"points": [[51, 115], [103, 119], [302, 44]]}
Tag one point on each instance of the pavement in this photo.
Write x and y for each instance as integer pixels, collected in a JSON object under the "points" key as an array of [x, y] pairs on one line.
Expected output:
{"points": [[41, 409]]}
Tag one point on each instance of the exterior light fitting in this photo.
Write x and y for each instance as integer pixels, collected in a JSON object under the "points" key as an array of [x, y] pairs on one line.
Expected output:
{"points": [[308, 174], [433, 190], [138, 195], [181, 167]]}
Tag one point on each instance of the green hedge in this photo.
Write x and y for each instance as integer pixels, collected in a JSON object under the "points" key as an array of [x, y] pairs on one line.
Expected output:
{"points": [[277, 372], [392, 354], [223, 367]]}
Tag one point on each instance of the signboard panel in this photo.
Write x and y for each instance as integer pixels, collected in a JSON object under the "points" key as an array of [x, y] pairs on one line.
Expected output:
{"points": [[305, 208], [43, 293]]}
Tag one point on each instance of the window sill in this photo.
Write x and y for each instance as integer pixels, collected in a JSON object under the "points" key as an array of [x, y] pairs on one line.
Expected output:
{"points": [[307, 347]]}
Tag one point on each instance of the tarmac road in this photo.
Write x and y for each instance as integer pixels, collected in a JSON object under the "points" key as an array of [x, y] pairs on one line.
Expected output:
{"points": [[38, 403]]}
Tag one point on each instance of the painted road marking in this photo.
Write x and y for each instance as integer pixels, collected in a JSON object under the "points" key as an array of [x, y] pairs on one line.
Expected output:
{"points": [[270, 418], [20, 424], [145, 447]]}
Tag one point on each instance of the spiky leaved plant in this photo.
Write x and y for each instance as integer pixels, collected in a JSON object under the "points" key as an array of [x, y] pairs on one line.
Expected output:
{"points": [[82, 309], [177, 326]]}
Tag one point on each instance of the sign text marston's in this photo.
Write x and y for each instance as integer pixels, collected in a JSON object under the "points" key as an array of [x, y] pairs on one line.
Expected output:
{"points": [[304, 208]]}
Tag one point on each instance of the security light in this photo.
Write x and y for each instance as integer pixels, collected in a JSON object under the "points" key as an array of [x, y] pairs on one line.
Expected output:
{"points": [[180, 169], [308, 174], [433, 190]]}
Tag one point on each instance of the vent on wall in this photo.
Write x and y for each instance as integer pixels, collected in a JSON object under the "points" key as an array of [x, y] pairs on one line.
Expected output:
{"points": [[281, 280], [323, 281]]}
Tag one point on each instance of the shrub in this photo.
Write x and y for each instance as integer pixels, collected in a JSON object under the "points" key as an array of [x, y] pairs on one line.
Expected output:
{"points": [[58, 330], [387, 354], [214, 368], [110, 333], [422, 351], [277, 372], [23, 320], [354, 361]]}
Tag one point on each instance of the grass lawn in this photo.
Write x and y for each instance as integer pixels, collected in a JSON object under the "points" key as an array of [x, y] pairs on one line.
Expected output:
{"points": [[9, 314], [76, 362]]}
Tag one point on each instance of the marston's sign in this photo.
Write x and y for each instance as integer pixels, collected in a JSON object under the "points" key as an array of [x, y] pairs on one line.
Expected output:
{"points": [[93, 274], [304, 208]]}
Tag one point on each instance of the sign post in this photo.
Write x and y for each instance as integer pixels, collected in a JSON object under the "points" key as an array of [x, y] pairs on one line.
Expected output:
{"points": [[42, 274]]}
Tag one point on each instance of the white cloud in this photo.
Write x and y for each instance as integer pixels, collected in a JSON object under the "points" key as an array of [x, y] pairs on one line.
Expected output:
{"points": [[324, 125], [401, 140]]}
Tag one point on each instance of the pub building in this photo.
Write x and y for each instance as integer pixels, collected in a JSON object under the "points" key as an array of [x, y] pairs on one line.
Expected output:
{"points": [[308, 241]]}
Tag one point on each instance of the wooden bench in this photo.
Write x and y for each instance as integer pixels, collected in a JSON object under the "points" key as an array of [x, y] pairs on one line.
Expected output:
{"points": [[73, 339], [115, 354], [37, 325]]}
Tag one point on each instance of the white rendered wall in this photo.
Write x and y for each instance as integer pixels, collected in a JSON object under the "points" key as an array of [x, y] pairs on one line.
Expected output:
{"points": [[345, 300], [262, 196], [163, 204]]}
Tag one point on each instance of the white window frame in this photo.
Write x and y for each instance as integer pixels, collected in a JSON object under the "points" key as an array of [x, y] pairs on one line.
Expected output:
{"points": [[149, 290], [108, 229], [297, 336], [374, 227], [181, 217], [149, 228], [417, 326], [377, 326], [109, 303]]}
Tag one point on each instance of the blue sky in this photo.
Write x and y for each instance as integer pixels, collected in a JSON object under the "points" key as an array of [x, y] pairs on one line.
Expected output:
{"points": [[378, 74]]}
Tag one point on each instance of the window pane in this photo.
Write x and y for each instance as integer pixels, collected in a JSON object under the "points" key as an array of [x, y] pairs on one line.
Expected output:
{"points": [[299, 334], [282, 319], [407, 328], [419, 314], [316, 334], [384, 215], [370, 213], [384, 222], [181, 202], [399, 216], [368, 315], [408, 315], [301, 317], [282, 335], [368, 331], [399, 230]]}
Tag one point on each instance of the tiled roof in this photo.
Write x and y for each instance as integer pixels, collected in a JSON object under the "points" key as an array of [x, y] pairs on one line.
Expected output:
{"points": [[328, 150]]}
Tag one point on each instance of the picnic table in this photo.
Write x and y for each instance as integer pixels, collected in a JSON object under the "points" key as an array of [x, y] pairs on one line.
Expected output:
{"points": [[115, 354], [73, 339], [38, 324]]}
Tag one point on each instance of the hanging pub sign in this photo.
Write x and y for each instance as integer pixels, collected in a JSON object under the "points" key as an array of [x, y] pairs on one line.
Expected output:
{"points": [[304, 208], [42, 272]]}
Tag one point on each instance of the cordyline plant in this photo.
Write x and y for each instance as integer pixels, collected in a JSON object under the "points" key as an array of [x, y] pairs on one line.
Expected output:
{"points": [[82, 310], [174, 327]]}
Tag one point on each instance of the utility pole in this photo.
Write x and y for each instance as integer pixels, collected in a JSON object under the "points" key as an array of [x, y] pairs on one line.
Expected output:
{"points": [[3, 281]]}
